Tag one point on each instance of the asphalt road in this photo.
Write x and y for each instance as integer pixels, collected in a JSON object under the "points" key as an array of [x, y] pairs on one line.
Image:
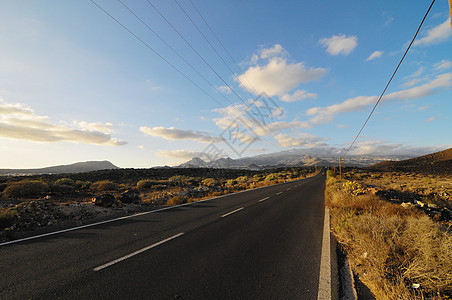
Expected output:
{"points": [[259, 244]]}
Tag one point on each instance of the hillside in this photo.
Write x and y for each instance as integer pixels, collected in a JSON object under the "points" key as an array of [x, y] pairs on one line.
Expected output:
{"points": [[435, 163], [79, 167]]}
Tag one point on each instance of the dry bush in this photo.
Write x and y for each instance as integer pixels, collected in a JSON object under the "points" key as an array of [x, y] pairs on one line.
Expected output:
{"points": [[104, 185], [65, 181], [146, 184], [176, 200], [26, 188], [391, 247], [210, 182]]}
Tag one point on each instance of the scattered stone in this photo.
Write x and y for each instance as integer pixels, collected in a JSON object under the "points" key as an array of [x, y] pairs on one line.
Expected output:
{"points": [[105, 200], [130, 196], [406, 204]]}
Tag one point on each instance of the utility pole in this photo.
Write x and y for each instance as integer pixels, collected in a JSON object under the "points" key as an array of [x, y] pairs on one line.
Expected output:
{"points": [[340, 167], [450, 10]]}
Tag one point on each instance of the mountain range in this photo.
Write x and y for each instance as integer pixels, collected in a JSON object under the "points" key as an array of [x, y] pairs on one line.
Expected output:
{"points": [[78, 167], [289, 158]]}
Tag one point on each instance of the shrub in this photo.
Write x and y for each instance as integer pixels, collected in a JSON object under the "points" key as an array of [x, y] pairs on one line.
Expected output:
{"points": [[145, 184], [210, 182], [104, 185], [270, 177], [26, 188], [393, 248], [231, 182], [176, 200], [64, 181], [83, 185], [180, 180], [330, 173], [353, 188], [242, 179]]}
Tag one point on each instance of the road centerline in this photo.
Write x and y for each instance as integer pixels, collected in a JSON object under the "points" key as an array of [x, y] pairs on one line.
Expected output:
{"points": [[137, 252], [279, 193], [234, 211], [262, 200]]}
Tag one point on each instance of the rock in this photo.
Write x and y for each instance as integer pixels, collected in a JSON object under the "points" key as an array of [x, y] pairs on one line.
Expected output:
{"points": [[406, 205], [117, 204], [105, 200], [419, 203], [129, 196]]}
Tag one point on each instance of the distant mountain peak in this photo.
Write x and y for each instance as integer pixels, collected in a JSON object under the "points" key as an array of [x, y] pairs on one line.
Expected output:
{"points": [[78, 167], [287, 158]]}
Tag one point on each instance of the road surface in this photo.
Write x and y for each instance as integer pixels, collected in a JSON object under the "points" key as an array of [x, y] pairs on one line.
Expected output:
{"points": [[259, 244]]}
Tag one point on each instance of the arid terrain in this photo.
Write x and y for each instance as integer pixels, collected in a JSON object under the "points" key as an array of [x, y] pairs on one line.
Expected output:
{"points": [[393, 221], [41, 203]]}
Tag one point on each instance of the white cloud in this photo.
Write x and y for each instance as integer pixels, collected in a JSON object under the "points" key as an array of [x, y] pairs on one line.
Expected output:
{"points": [[20, 122], [280, 125], [172, 133], [278, 77], [235, 116], [429, 119], [244, 138], [423, 108], [276, 50], [342, 126], [443, 65], [225, 89], [297, 96], [340, 44], [301, 140], [413, 78], [412, 82], [152, 85], [98, 126], [385, 148], [435, 35], [389, 20], [418, 72], [321, 115], [183, 155], [375, 55]]}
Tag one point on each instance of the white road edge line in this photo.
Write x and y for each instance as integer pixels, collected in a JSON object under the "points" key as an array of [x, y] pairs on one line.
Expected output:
{"points": [[325, 261], [234, 211], [279, 193], [262, 200], [137, 252]]}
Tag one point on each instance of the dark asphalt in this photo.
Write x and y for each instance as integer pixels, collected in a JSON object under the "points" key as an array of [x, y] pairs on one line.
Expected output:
{"points": [[268, 250]]}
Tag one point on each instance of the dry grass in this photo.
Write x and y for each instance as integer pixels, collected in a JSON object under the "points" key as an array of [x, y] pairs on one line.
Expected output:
{"points": [[394, 249]]}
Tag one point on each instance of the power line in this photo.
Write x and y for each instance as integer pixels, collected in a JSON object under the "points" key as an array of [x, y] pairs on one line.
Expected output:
{"points": [[155, 52], [204, 60], [163, 58], [183, 59], [210, 44], [174, 50], [222, 45], [277, 128], [393, 74]]}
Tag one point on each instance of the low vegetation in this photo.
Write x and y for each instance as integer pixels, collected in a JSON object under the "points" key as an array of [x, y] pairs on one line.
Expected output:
{"points": [[399, 251], [25, 188], [23, 198]]}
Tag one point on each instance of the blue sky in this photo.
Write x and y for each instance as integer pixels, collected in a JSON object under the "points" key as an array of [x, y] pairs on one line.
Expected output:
{"points": [[76, 86]]}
